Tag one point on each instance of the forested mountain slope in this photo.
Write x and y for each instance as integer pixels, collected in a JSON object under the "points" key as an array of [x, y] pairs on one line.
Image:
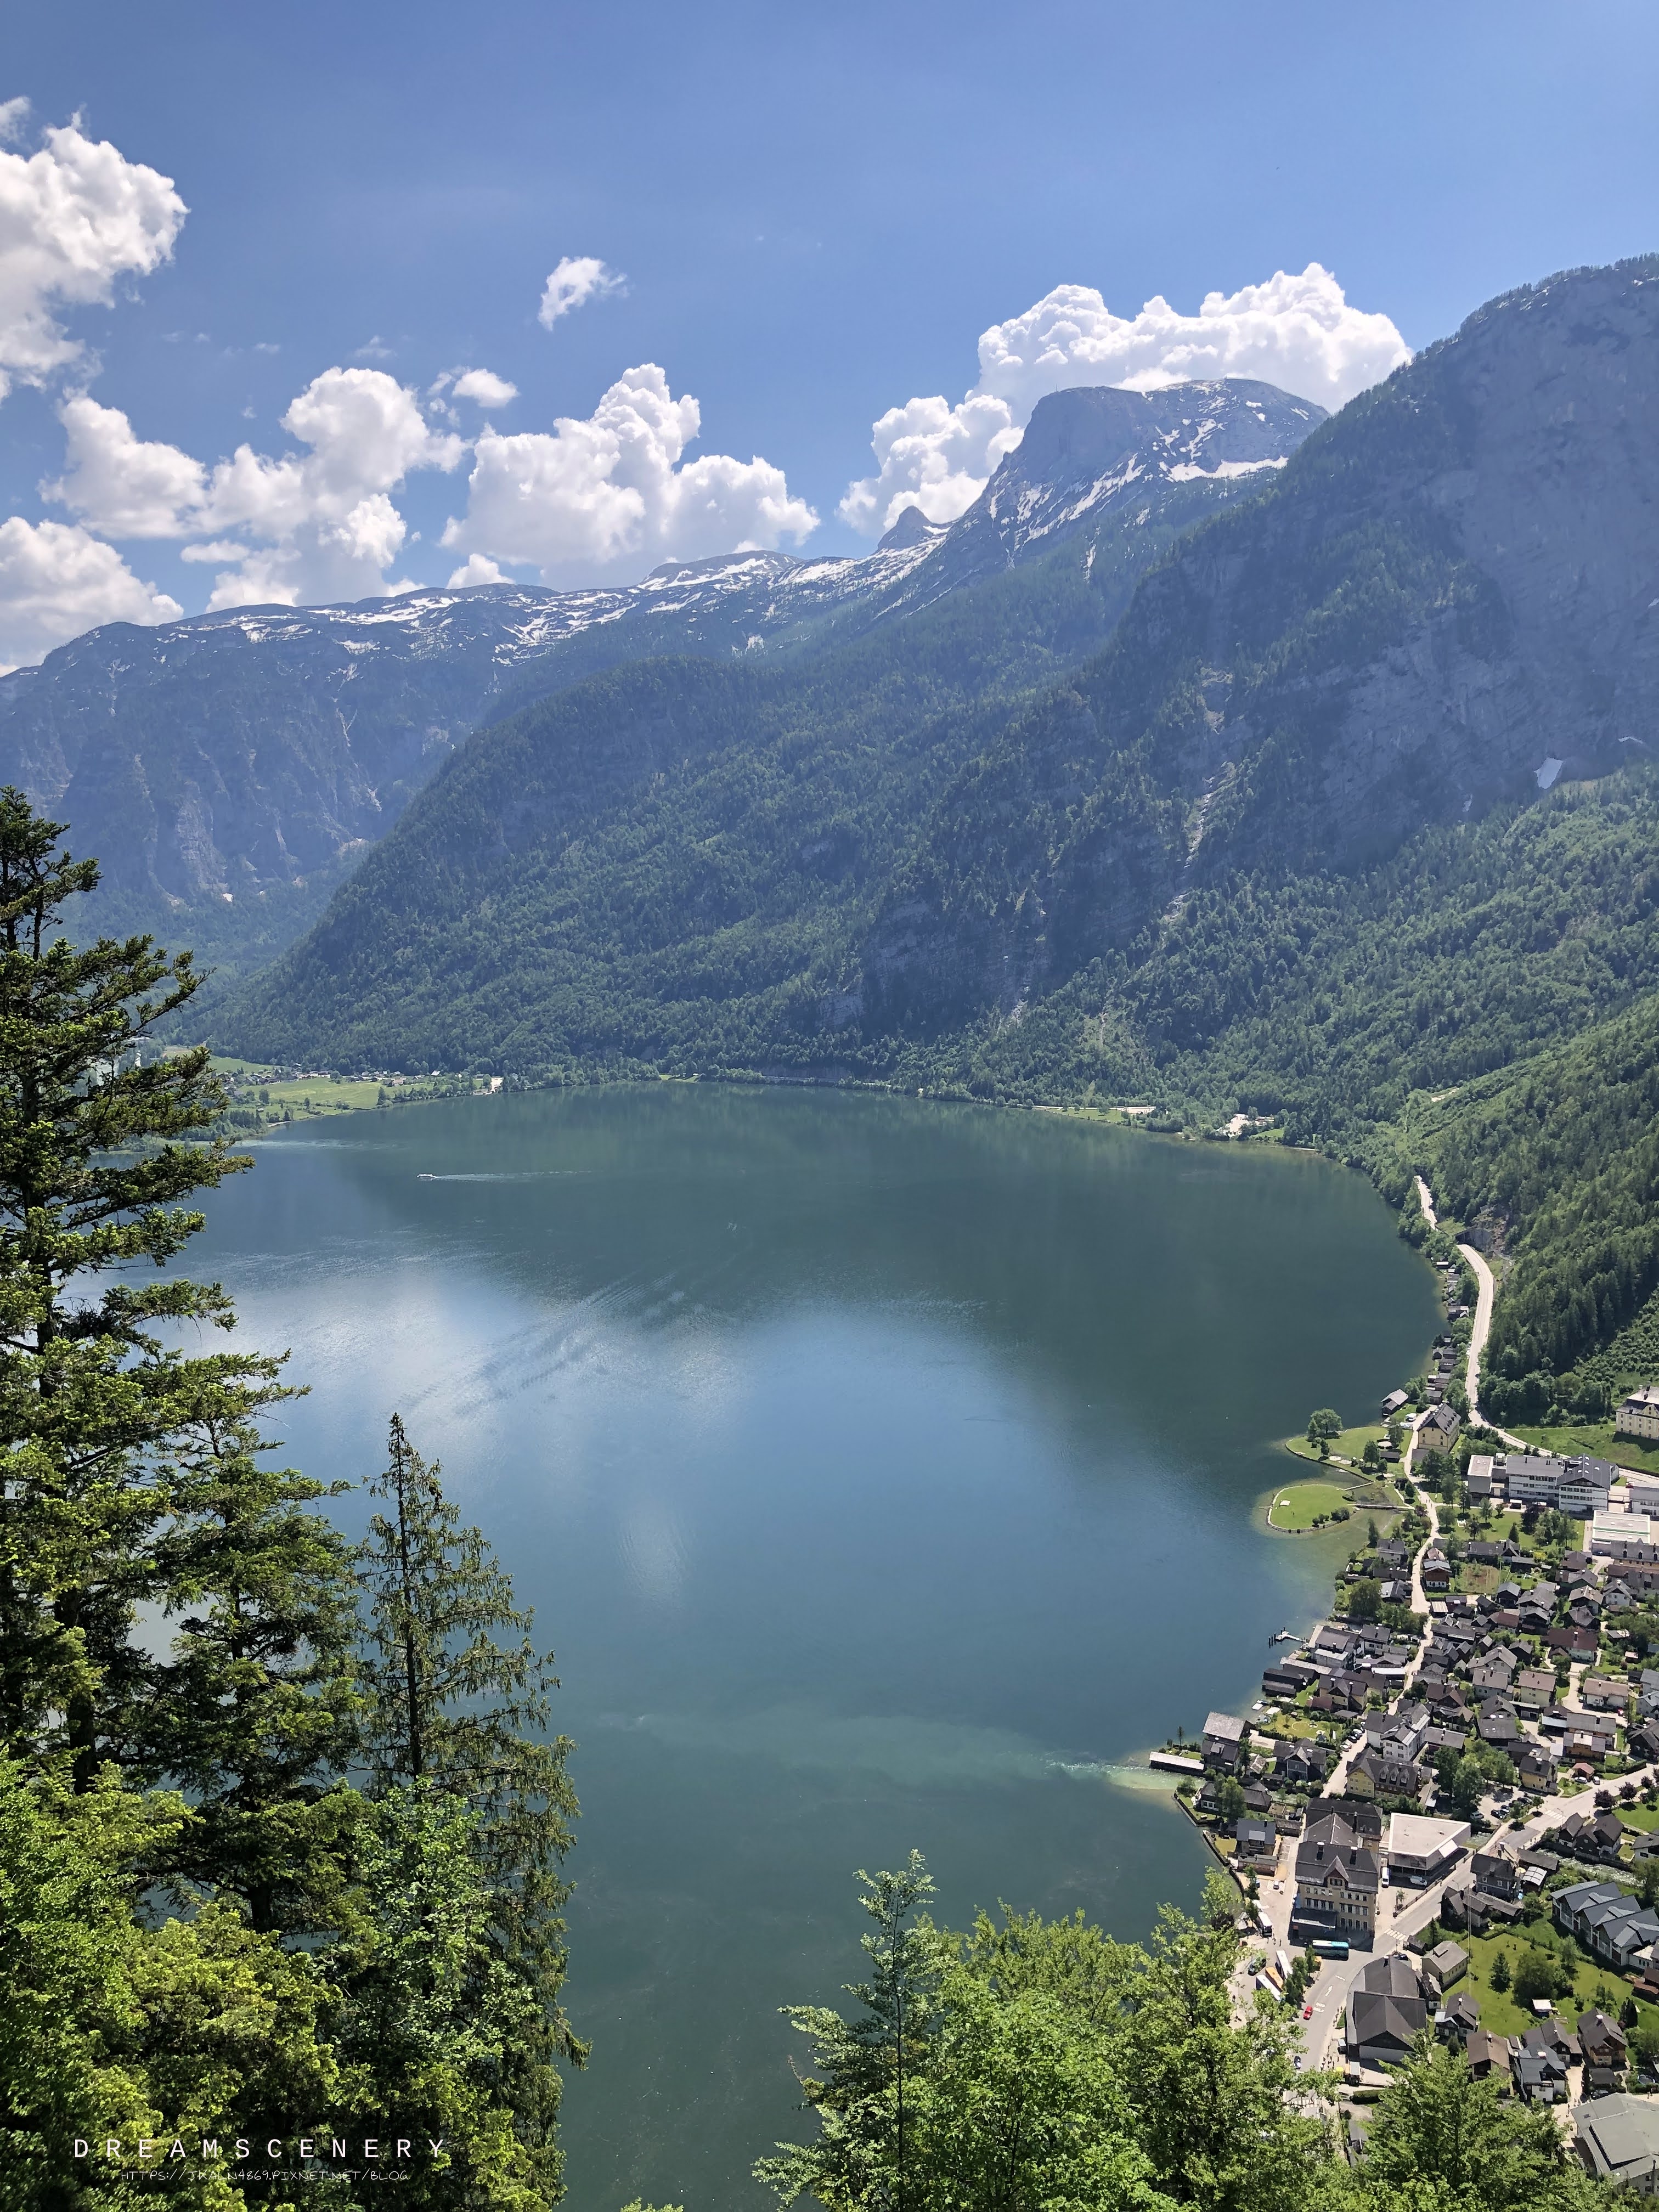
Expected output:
{"points": [[1448, 597], [1557, 1163], [232, 768], [672, 859]]}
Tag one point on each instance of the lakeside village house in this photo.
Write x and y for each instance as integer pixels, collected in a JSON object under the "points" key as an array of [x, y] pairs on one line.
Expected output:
{"points": [[1639, 1416], [1579, 1486]]}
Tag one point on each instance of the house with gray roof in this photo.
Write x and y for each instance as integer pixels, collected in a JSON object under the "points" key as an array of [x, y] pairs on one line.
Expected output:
{"points": [[1223, 1741], [1612, 1924], [1446, 1963], [1618, 2139], [1457, 2018], [1337, 1876], [1387, 2012], [1256, 1844]]}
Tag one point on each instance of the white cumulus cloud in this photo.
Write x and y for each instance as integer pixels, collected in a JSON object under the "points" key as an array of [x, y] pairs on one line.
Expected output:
{"points": [[614, 492], [122, 484], [1296, 331], [323, 522], [307, 526], [483, 387], [57, 579], [476, 568], [75, 215], [577, 280]]}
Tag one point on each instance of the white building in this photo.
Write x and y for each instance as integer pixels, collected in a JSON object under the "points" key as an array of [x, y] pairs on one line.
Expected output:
{"points": [[1578, 1485], [1639, 1414], [1420, 1850], [1623, 1536]]}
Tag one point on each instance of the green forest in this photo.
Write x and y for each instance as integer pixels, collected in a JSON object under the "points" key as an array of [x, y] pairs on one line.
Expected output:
{"points": [[296, 1877]]}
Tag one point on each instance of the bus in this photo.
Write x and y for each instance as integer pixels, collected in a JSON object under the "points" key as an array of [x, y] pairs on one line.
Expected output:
{"points": [[1330, 1946]]}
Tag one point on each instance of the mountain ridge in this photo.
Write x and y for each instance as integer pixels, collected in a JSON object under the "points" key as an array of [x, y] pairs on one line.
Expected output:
{"points": [[234, 766]]}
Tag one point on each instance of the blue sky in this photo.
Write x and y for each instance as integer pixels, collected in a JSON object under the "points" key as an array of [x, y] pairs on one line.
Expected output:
{"points": [[816, 211]]}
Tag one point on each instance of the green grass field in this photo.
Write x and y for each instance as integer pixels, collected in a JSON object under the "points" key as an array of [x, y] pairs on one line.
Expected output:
{"points": [[1293, 1509], [316, 1098], [313, 1095], [1500, 2013], [1597, 1438], [1348, 1446]]}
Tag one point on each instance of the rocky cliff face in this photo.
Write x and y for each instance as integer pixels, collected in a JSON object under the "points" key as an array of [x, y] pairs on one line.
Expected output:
{"points": [[1449, 596], [1118, 475]]}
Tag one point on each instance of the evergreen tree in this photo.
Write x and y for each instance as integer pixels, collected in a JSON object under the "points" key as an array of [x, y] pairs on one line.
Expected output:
{"points": [[872, 2065], [448, 1706], [255, 1712], [100, 1420], [433, 2021], [134, 1471]]}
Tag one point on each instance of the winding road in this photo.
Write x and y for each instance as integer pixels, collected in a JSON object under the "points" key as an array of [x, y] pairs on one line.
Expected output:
{"points": [[1485, 1290]]}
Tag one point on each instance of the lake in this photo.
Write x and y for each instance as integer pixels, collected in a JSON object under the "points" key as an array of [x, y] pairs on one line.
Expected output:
{"points": [[882, 1474]]}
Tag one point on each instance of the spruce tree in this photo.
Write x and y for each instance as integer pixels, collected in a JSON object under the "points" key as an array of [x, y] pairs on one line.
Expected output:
{"points": [[90, 1400], [447, 1707], [866, 2068], [132, 1470], [255, 1714]]}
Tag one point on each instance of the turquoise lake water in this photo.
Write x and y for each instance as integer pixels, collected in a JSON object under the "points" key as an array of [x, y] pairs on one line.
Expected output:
{"points": [[881, 1473]]}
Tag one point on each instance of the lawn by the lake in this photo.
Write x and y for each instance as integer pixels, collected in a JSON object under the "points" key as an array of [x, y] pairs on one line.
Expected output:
{"points": [[1296, 1507], [1348, 1447]]}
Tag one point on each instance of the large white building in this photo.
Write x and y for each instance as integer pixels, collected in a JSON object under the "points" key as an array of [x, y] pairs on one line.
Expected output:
{"points": [[1639, 1414], [1578, 1485], [1421, 1849], [1624, 1536]]}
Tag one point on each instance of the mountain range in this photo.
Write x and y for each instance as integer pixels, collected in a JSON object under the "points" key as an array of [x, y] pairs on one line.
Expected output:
{"points": [[232, 768], [1437, 606], [1222, 758]]}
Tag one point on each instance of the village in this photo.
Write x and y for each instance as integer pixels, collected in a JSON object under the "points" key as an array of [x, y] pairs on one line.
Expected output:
{"points": [[1442, 1812]]}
